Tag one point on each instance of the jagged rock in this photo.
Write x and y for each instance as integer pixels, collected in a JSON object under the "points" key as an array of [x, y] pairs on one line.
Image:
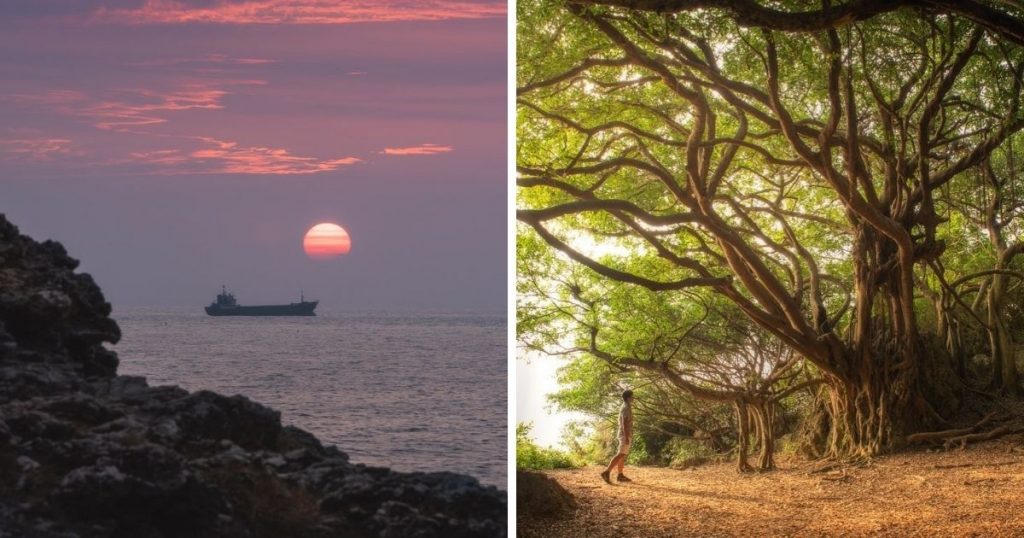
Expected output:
{"points": [[85, 452]]}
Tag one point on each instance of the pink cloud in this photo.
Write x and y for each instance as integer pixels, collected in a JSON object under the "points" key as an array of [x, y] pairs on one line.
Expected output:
{"points": [[127, 110], [137, 109], [213, 58], [301, 11], [151, 106], [161, 157], [36, 148], [422, 149], [228, 157], [55, 98]]}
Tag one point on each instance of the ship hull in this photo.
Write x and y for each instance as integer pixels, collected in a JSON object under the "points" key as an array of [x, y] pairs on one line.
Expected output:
{"points": [[294, 309]]}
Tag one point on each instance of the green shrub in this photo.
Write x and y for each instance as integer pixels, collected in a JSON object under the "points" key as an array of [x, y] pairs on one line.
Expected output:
{"points": [[788, 445], [597, 445], [683, 453], [531, 456], [637, 452]]}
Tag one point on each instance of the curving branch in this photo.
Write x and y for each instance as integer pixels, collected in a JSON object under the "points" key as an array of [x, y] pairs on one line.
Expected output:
{"points": [[621, 276], [754, 14]]}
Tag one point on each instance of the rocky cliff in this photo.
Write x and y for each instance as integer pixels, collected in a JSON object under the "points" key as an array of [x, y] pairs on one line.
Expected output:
{"points": [[86, 452]]}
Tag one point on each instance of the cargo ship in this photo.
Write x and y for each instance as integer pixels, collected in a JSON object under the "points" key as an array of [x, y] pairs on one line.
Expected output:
{"points": [[226, 305]]}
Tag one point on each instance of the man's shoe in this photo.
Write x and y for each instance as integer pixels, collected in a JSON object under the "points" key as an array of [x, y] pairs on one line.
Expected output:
{"points": [[623, 478], [607, 477]]}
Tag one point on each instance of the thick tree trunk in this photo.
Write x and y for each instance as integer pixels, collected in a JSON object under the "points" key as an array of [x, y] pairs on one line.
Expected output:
{"points": [[1004, 362], [878, 394], [1003, 350], [742, 437], [755, 419], [947, 329], [766, 435]]}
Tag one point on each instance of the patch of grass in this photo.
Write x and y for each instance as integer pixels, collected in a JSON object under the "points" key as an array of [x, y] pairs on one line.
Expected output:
{"points": [[531, 456]]}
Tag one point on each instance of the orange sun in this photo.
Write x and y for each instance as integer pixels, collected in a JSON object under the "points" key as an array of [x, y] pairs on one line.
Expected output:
{"points": [[326, 240]]}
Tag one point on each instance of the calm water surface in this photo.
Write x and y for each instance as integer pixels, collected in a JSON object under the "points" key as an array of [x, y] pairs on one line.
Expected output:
{"points": [[414, 391]]}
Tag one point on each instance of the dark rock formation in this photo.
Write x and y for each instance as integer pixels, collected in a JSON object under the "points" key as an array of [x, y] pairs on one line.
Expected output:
{"points": [[85, 452], [540, 496]]}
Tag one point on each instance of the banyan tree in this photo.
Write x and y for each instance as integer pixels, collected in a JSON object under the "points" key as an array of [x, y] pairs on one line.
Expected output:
{"points": [[800, 161]]}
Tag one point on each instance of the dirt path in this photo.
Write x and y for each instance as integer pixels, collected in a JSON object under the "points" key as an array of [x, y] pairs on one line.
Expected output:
{"points": [[978, 491]]}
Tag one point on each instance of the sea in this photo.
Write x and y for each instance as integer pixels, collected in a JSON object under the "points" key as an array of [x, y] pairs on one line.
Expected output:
{"points": [[409, 390]]}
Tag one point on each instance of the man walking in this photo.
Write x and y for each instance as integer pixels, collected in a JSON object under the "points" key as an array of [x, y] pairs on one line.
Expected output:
{"points": [[625, 439]]}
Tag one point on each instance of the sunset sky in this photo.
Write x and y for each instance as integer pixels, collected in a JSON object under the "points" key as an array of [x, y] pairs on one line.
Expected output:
{"points": [[174, 146]]}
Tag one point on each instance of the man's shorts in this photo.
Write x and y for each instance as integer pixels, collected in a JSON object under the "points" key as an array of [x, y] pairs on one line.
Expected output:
{"points": [[623, 447]]}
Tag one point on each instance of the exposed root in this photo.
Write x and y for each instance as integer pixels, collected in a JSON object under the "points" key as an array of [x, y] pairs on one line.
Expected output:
{"points": [[837, 470], [945, 435], [975, 437], [860, 461], [825, 468], [960, 465], [837, 477]]}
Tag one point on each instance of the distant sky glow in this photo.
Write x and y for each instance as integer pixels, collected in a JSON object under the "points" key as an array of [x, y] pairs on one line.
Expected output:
{"points": [[228, 127]]}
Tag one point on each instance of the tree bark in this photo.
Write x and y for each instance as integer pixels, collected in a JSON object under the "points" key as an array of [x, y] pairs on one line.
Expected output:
{"points": [[877, 396]]}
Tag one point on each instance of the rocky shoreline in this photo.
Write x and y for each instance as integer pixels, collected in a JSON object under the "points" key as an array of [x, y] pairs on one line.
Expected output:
{"points": [[85, 452]]}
